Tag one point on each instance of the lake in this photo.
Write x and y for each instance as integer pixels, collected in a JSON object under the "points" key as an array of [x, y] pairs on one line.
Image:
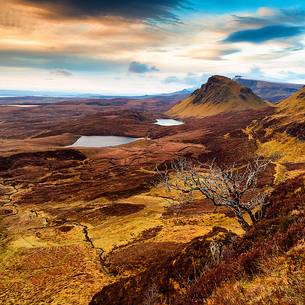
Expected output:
{"points": [[102, 141], [168, 122], [19, 105]]}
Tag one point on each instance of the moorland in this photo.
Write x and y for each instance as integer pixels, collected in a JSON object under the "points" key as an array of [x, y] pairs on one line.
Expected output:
{"points": [[83, 225]]}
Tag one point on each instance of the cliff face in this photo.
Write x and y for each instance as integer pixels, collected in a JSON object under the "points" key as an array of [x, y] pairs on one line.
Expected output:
{"points": [[219, 94]]}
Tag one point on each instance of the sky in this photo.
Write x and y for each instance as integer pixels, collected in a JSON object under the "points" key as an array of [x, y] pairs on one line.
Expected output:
{"points": [[144, 47]]}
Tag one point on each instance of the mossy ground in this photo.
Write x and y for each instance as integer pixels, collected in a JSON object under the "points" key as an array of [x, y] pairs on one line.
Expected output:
{"points": [[47, 259], [286, 151]]}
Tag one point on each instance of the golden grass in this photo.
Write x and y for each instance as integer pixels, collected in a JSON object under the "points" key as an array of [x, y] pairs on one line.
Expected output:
{"points": [[186, 108], [183, 229], [281, 281], [38, 256], [226, 136], [294, 104], [50, 275], [248, 131], [284, 149], [120, 230]]}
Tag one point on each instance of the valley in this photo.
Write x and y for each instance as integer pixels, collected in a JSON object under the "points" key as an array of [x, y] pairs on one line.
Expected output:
{"points": [[82, 222], [152, 152]]}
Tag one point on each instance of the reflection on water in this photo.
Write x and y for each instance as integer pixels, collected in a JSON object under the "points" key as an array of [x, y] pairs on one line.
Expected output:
{"points": [[168, 122], [102, 141], [19, 106]]}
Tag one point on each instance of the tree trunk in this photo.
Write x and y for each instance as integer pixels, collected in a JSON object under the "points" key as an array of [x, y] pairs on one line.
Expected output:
{"points": [[252, 217], [245, 226]]}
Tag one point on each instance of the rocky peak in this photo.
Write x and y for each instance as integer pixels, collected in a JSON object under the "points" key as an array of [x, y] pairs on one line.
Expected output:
{"points": [[220, 89]]}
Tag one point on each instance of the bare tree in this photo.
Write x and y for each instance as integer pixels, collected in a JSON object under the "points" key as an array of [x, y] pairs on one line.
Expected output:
{"points": [[233, 187]]}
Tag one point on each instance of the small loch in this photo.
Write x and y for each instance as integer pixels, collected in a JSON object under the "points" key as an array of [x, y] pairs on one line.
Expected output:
{"points": [[168, 122], [102, 141], [19, 105]]}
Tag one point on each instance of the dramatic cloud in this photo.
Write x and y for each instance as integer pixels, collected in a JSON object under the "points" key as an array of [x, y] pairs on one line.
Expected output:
{"points": [[56, 61], [43, 41], [267, 17], [267, 33], [137, 67], [134, 9], [24, 29]]}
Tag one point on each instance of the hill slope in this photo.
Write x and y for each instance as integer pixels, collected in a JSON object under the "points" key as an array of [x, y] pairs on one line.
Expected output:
{"points": [[220, 94], [295, 104], [271, 91], [281, 136], [290, 116]]}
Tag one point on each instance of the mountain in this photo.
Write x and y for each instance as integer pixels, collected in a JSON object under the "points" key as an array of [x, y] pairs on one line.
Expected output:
{"points": [[219, 94], [271, 91]]}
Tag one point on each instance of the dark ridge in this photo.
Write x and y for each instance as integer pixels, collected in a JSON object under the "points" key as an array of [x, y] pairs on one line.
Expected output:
{"points": [[38, 158]]}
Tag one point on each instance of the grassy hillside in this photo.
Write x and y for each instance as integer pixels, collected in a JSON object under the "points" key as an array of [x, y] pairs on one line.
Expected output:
{"points": [[294, 105], [265, 266], [281, 137], [90, 225]]}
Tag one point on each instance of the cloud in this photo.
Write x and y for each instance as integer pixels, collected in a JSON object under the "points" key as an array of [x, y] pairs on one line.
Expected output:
{"points": [[140, 68], [217, 52], [265, 17], [97, 46], [171, 79], [294, 75], [59, 62], [266, 33], [161, 10], [225, 52], [191, 79], [256, 73], [60, 72], [105, 38]]}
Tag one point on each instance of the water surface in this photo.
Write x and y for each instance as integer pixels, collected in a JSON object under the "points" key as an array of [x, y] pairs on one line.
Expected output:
{"points": [[19, 105], [168, 122], [102, 141]]}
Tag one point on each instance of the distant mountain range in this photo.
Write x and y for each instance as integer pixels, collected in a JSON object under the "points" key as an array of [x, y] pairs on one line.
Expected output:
{"points": [[53, 94], [270, 91]]}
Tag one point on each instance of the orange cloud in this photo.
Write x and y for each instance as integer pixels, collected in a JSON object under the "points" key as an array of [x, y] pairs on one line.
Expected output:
{"points": [[25, 28]]}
